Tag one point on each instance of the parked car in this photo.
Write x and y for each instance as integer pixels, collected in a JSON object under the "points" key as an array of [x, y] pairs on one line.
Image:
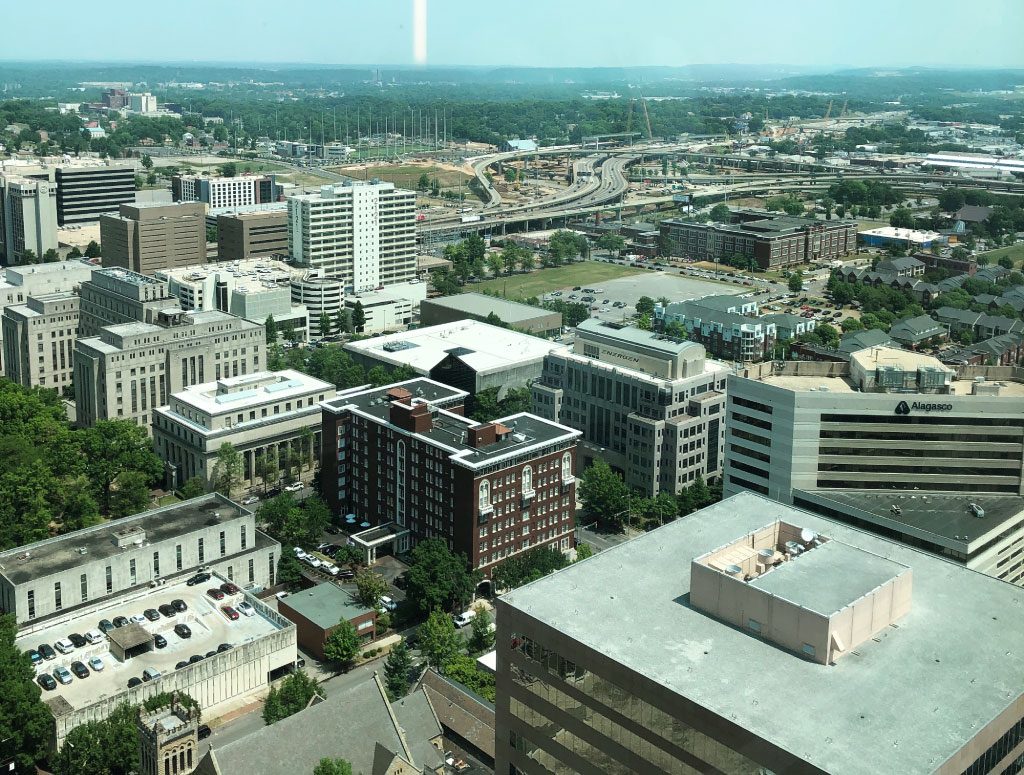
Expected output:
{"points": [[199, 578], [94, 637], [138, 618], [121, 621], [150, 674], [35, 656], [96, 664], [133, 682], [195, 658], [229, 589], [204, 731], [159, 641], [106, 626], [179, 605], [245, 609], [215, 593], [46, 651], [210, 653], [464, 618], [387, 603], [312, 561], [224, 647], [250, 500], [64, 646], [79, 669], [230, 612], [77, 640], [46, 681], [182, 631], [152, 614], [273, 492], [299, 552], [167, 610], [181, 664], [294, 487], [62, 674]]}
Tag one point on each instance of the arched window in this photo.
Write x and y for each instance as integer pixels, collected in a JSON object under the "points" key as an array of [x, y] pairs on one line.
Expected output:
{"points": [[485, 494], [566, 465], [527, 479]]}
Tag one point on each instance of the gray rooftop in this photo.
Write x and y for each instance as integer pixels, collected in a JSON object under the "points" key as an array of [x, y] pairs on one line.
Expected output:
{"points": [[829, 578], [511, 312], [624, 335], [326, 605], [903, 704]]}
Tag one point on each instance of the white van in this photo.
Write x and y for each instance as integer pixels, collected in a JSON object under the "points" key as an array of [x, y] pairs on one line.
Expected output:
{"points": [[95, 637], [387, 603], [464, 618]]}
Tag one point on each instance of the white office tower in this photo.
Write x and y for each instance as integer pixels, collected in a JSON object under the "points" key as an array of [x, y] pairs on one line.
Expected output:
{"points": [[361, 232]]}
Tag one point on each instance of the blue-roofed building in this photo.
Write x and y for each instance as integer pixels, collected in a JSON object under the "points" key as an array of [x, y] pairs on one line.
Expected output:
{"points": [[272, 418]]}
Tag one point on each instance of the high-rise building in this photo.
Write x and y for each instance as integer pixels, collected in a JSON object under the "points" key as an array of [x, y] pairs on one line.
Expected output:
{"points": [[113, 296], [652, 407], [752, 637], [145, 237], [252, 232], [128, 370], [893, 442], [238, 191], [115, 99], [142, 103], [38, 340], [84, 193], [361, 232], [28, 217], [404, 456]]}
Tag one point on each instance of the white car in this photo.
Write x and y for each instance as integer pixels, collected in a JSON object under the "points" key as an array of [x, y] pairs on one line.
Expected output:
{"points": [[294, 487], [300, 553], [64, 646], [250, 500], [387, 603], [138, 619], [95, 637], [312, 561], [464, 618], [245, 609]]}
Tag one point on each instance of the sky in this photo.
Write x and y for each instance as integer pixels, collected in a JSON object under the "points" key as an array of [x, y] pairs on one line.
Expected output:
{"points": [[548, 33]]}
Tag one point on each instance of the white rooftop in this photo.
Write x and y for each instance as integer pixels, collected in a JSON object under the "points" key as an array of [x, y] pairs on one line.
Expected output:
{"points": [[879, 357], [492, 348], [234, 394], [911, 235], [246, 269]]}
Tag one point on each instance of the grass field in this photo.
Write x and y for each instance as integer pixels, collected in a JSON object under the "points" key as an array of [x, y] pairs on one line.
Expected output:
{"points": [[1016, 252], [406, 175], [542, 281]]}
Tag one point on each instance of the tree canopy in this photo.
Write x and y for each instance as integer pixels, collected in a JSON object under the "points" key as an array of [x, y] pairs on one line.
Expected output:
{"points": [[25, 720], [438, 578], [293, 695]]}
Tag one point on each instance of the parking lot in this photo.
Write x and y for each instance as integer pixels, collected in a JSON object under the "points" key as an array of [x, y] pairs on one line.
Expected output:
{"points": [[209, 626]]}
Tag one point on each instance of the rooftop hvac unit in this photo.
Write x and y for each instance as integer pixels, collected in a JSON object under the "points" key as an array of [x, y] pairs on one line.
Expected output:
{"points": [[734, 570]]}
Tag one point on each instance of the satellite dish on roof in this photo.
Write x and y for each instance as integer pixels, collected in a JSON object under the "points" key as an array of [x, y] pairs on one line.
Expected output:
{"points": [[807, 535]]}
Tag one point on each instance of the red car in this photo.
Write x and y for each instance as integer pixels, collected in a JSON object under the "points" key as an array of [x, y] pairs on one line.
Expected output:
{"points": [[229, 612], [229, 589], [216, 594]]}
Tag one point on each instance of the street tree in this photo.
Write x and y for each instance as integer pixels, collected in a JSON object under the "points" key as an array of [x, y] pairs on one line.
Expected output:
{"points": [[437, 578], [324, 324], [611, 242], [294, 694], [370, 588], [50, 256], [24, 719], [329, 766], [396, 671], [438, 640], [192, 488], [147, 161], [92, 250], [645, 306], [358, 317], [111, 447], [902, 218], [289, 571], [583, 551], [481, 638], [796, 282], [604, 495], [527, 566], [131, 494], [271, 327], [106, 747], [342, 645], [228, 469]]}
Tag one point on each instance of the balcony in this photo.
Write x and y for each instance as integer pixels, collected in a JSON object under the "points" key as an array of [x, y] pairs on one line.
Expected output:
{"points": [[526, 497]]}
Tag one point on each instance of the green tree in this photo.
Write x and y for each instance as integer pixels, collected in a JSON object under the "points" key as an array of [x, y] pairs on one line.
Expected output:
{"points": [[370, 588], [111, 447], [50, 256], [324, 324], [424, 182], [131, 494], [79, 509], [342, 645], [951, 199], [228, 170], [676, 330], [192, 488], [796, 282], [271, 327], [92, 250], [645, 306], [75, 252], [604, 495], [481, 638], [851, 324], [437, 639], [358, 317], [107, 747], [437, 578], [295, 693], [328, 766], [527, 566], [721, 213], [147, 161], [25, 720], [396, 671], [28, 256], [1006, 262], [464, 670], [495, 263], [228, 469], [828, 335], [583, 551], [289, 570], [611, 242], [902, 218]]}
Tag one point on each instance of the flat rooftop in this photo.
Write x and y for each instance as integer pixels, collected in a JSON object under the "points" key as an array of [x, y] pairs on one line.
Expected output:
{"points": [[326, 604], [487, 347], [233, 394], [511, 312], [880, 357], [210, 628], [58, 554], [884, 708], [631, 335], [960, 387]]}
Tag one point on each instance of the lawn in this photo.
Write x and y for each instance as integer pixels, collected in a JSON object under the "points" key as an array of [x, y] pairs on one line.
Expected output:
{"points": [[541, 281], [406, 175], [1016, 252]]}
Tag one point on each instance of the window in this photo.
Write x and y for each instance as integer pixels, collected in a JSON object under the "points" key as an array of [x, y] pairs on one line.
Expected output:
{"points": [[754, 625], [485, 495], [57, 605], [31, 604], [156, 564], [243, 537], [231, 573], [84, 580], [808, 650], [527, 479], [566, 466], [252, 570], [270, 569], [177, 557], [223, 545], [202, 551], [131, 571], [110, 580]]}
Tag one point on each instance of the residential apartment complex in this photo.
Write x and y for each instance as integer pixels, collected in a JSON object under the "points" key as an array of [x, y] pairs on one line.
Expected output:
{"points": [[84, 193], [252, 233], [650, 406], [152, 236], [892, 442], [773, 640], [770, 239], [363, 233], [404, 456], [28, 217], [38, 340], [272, 418], [726, 326], [129, 370], [225, 192]]}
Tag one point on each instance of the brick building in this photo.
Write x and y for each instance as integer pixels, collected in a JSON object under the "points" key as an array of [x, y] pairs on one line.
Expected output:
{"points": [[404, 455]]}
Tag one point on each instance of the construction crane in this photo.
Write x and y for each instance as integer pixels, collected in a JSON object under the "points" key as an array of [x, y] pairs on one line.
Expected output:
{"points": [[829, 111]]}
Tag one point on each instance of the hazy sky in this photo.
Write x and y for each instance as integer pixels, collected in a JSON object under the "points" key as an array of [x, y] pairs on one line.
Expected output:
{"points": [[525, 32]]}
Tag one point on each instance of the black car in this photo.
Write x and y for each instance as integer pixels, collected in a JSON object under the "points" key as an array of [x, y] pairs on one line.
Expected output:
{"points": [[152, 614], [195, 658], [224, 647], [46, 650], [120, 621], [167, 610], [273, 492], [106, 626], [182, 631], [77, 640], [179, 605], [211, 653], [199, 578], [133, 682], [159, 641], [46, 681], [79, 669], [183, 663], [204, 731]]}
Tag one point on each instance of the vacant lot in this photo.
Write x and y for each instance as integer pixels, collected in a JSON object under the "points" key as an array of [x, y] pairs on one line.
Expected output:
{"points": [[523, 286], [1015, 252], [406, 175]]}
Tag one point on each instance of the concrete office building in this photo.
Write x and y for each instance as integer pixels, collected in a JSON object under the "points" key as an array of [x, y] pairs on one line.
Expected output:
{"points": [[84, 193], [320, 296], [238, 191], [145, 237], [773, 641], [893, 442], [129, 370], [466, 355], [404, 458], [650, 406], [381, 311], [28, 217], [770, 239], [113, 296], [477, 306], [38, 340], [361, 232], [142, 103], [252, 233], [272, 418], [726, 326]]}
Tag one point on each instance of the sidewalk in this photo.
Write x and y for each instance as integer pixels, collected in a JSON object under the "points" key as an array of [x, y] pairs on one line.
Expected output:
{"points": [[222, 713]]}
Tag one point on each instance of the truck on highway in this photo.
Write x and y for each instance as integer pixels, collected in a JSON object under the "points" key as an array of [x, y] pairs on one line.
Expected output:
{"points": [[471, 218]]}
